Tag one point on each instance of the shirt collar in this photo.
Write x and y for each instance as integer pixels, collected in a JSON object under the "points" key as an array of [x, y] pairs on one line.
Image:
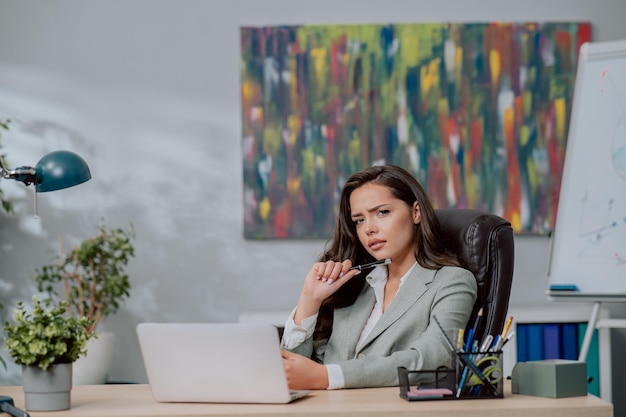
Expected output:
{"points": [[379, 274]]}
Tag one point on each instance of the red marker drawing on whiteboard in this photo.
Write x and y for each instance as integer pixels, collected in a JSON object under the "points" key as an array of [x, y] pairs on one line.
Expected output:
{"points": [[603, 75]]}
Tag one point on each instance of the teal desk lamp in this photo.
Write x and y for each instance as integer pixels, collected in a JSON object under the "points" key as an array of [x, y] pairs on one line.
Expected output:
{"points": [[55, 171]]}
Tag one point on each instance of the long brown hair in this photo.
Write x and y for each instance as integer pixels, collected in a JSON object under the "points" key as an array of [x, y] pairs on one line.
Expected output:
{"points": [[344, 242]]}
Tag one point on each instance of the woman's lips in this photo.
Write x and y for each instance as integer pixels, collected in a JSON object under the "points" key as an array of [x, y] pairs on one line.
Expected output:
{"points": [[375, 244]]}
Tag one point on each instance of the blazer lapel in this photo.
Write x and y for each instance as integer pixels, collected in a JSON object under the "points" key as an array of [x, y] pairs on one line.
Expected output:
{"points": [[351, 321], [410, 292]]}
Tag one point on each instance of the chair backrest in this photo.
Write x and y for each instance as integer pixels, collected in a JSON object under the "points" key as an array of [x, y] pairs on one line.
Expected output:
{"points": [[484, 244]]}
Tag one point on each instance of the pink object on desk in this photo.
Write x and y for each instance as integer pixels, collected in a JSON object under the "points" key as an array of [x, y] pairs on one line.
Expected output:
{"points": [[429, 392]]}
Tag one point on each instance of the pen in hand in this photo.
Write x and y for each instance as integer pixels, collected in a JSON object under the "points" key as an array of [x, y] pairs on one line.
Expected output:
{"points": [[371, 264], [362, 267]]}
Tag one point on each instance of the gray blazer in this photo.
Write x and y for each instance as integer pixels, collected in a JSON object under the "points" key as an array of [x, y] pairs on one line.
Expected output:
{"points": [[405, 335]]}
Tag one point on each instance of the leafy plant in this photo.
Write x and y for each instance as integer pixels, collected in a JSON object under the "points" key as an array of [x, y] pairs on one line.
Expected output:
{"points": [[92, 274], [45, 337]]}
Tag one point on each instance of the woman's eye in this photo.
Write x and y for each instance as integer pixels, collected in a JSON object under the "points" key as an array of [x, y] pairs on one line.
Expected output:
{"points": [[358, 221], [383, 212]]}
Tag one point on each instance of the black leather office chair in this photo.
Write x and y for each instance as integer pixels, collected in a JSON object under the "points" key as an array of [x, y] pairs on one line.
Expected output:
{"points": [[484, 244]]}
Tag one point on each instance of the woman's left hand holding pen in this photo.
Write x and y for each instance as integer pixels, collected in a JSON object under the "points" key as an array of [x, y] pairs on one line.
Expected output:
{"points": [[322, 280]]}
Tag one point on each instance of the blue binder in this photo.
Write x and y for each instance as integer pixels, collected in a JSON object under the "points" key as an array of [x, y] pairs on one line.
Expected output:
{"points": [[569, 341], [535, 342], [521, 334], [552, 341]]}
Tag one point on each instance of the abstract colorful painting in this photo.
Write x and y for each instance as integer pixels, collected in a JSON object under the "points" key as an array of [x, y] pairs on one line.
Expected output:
{"points": [[479, 113]]}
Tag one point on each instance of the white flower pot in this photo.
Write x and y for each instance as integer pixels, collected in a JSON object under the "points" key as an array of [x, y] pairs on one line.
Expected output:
{"points": [[93, 368], [47, 390]]}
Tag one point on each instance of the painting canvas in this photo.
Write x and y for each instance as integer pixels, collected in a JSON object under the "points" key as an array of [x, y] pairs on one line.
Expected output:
{"points": [[478, 112]]}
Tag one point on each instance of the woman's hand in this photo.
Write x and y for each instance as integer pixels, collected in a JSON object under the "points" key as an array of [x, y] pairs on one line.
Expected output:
{"points": [[322, 280], [304, 373]]}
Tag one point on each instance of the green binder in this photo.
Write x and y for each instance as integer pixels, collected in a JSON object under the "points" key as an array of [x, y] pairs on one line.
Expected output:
{"points": [[593, 359]]}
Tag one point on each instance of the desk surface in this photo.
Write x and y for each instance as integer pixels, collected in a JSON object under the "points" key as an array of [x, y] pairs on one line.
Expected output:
{"points": [[136, 400]]}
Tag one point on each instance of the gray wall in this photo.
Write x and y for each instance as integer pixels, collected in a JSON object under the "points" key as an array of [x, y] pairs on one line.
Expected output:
{"points": [[148, 93]]}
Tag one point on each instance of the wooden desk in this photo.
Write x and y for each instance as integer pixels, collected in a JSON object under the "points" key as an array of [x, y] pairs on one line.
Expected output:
{"points": [[136, 401]]}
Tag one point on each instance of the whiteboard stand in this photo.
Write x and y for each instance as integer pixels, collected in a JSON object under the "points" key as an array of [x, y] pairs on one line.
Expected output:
{"points": [[591, 326]]}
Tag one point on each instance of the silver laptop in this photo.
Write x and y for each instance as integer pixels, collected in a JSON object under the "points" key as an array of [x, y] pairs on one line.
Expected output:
{"points": [[214, 363]]}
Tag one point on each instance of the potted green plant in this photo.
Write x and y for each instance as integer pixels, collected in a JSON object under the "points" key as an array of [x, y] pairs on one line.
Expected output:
{"points": [[46, 343], [92, 279]]}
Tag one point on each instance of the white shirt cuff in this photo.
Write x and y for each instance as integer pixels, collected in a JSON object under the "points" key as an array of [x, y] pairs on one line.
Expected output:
{"points": [[335, 377], [294, 335]]}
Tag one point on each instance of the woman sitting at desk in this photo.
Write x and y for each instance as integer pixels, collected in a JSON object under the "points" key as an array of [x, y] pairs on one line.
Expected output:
{"points": [[353, 330]]}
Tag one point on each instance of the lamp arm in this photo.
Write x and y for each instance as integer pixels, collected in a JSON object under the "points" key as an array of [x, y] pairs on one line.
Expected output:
{"points": [[27, 175]]}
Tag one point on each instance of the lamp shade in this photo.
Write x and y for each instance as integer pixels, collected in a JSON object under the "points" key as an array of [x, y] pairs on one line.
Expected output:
{"points": [[60, 169]]}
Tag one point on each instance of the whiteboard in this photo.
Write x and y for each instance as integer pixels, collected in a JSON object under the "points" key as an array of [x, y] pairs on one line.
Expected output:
{"points": [[589, 239]]}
